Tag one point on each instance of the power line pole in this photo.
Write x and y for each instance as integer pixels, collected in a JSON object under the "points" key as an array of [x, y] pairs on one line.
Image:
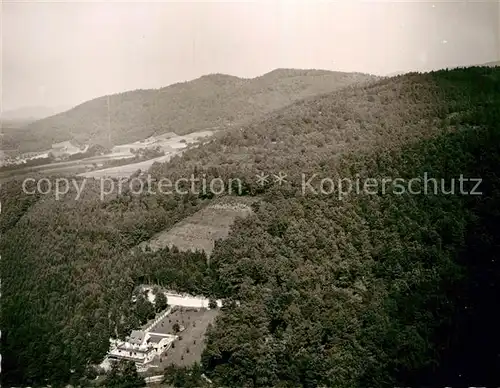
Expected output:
{"points": [[109, 123], [498, 31]]}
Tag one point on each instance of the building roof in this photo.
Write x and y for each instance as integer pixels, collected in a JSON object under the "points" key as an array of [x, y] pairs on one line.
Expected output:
{"points": [[124, 357], [137, 337], [126, 348], [155, 338], [66, 143]]}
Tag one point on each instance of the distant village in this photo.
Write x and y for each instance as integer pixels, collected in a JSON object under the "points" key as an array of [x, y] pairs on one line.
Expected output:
{"points": [[59, 151], [166, 143]]}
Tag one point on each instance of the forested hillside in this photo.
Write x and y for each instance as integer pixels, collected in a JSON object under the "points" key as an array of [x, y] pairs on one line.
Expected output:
{"points": [[381, 289], [9, 135], [214, 100], [370, 290]]}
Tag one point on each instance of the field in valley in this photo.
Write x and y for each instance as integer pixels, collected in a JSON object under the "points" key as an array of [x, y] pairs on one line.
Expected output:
{"points": [[172, 145], [126, 170]]}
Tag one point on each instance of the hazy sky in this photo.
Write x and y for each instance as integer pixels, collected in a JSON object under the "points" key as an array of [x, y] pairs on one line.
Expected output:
{"points": [[63, 53]]}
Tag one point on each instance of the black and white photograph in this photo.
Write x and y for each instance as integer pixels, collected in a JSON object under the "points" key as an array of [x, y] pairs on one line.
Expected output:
{"points": [[249, 194]]}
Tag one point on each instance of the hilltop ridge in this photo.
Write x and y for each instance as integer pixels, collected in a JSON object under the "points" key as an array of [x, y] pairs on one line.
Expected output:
{"points": [[30, 113], [213, 100], [492, 64]]}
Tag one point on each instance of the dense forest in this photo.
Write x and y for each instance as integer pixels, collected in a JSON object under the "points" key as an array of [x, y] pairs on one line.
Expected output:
{"points": [[378, 289]]}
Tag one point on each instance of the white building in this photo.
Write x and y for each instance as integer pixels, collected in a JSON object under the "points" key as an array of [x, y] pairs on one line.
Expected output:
{"points": [[141, 347], [65, 148], [175, 299]]}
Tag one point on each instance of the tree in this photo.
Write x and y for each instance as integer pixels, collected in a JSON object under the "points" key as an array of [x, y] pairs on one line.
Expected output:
{"points": [[184, 377], [123, 374], [176, 328], [144, 309], [160, 301], [212, 304]]}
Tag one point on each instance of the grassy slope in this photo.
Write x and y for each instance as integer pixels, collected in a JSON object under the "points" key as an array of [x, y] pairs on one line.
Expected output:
{"points": [[202, 229], [209, 101]]}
